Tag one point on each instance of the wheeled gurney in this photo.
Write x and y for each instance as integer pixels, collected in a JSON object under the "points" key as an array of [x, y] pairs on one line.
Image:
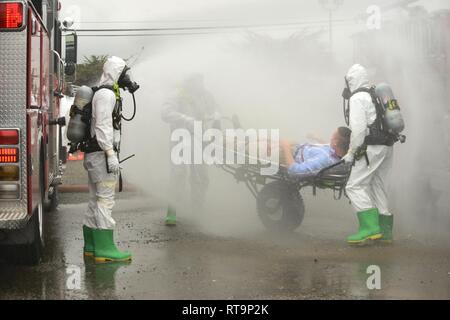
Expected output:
{"points": [[279, 201]]}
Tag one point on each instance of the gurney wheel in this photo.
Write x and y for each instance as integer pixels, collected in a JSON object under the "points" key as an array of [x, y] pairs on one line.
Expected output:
{"points": [[280, 207]]}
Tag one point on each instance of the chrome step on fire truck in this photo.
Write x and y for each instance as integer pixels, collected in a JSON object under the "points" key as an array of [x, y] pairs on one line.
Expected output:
{"points": [[31, 87]]}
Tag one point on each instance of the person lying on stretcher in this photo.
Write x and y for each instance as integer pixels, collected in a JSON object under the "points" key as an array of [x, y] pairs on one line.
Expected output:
{"points": [[309, 159]]}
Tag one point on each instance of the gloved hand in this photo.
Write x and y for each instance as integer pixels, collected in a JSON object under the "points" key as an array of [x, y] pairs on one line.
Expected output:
{"points": [[349, 158], [113, 162]]}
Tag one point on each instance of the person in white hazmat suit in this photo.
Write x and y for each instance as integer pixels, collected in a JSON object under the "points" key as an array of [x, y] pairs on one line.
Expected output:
{"points": [[366, 187], [102, 165], [190, 103]]}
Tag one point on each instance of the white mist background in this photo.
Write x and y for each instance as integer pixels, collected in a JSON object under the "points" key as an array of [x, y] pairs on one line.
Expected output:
{"points": [[273, 88]]}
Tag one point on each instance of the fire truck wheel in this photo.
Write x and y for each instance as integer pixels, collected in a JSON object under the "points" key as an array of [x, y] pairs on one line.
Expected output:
{"points": [[25, 246], [53, 200], [35, 248], [30, 252]]}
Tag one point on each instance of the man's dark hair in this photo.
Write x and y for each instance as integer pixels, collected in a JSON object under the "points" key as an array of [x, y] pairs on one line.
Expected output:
{"points": [[345, 136]]}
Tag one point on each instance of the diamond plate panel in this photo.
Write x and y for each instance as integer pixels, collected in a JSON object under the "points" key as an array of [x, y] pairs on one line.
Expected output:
{"points": [[13, 98]]}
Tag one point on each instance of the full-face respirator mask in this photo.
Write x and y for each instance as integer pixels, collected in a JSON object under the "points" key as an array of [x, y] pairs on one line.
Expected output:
{"points": [[126, 83]]}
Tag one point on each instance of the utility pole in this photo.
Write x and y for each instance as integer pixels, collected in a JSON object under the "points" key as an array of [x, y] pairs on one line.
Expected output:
{"points": [[331, 6]]}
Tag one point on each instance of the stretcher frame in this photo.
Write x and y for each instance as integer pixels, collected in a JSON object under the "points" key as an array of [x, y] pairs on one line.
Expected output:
{"points": [[334, 177]]}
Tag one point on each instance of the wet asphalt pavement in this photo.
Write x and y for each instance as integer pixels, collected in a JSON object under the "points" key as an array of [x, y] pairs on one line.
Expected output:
{"points": [[202, 261]]}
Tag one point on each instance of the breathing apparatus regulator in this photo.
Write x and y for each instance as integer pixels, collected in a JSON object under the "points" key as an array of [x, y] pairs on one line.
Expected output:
{"points": [[127, 84], [389, 124]]}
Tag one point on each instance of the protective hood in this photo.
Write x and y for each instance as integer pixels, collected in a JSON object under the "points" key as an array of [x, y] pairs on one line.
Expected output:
{"points": [[111, 71], [357, 77]]}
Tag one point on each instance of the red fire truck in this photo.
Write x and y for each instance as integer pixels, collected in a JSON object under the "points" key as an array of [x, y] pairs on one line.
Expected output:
{"points": [[31, 86]]}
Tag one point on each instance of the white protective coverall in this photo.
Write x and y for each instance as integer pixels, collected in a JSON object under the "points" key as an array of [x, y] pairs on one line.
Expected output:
{"points": [[180, 111], [366, 187], [102, 184]]}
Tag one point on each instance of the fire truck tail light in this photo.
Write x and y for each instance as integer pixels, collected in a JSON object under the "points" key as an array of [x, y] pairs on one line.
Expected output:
{"points": [[9, 191], [9, 173], [11, 15], [9, 155], [9, 137]]}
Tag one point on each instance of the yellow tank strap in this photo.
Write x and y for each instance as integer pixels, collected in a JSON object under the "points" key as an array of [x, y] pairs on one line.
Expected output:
{"points": [[117, 91]]}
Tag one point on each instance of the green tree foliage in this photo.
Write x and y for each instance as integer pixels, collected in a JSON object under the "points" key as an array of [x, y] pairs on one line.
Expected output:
{"points": [[90, 71]]}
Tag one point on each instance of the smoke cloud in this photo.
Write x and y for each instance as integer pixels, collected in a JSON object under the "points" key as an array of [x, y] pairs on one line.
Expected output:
{"points": [[287, 80]]}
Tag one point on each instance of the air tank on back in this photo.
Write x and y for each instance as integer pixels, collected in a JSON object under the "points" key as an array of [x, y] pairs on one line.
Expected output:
{"points": [[76, 131], [393, 115]]}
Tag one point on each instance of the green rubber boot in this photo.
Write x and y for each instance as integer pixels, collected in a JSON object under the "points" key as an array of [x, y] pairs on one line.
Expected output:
{"points": [[88, 242], [105, 248], [171, 218], [387, 225], [369, 227]]}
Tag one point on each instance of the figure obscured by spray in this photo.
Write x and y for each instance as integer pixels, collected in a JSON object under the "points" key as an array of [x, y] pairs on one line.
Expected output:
{"points": [[190, 103]]}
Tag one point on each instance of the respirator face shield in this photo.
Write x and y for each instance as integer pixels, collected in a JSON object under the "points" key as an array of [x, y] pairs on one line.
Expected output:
{"points": [[126, 82]]}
